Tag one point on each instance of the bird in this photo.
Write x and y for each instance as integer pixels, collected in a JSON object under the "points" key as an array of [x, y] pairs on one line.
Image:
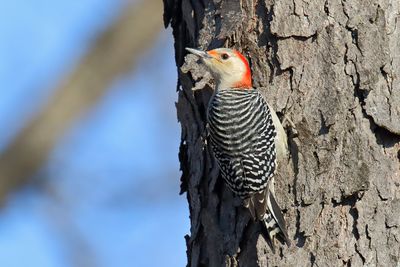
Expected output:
{"points": [[246, 138]]}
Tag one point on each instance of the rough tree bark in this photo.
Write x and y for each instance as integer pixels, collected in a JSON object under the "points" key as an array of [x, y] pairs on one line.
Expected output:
{"points": [[333, 68]]}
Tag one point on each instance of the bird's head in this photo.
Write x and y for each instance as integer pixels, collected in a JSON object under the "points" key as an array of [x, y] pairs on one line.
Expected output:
{"points": [[229, 68]]}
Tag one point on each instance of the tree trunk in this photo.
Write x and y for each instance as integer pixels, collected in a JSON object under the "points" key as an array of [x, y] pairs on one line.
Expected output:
{"points": [[330, 67]]}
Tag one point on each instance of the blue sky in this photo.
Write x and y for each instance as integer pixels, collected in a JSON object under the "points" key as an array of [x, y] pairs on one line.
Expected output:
{"points": [[110, 190]]}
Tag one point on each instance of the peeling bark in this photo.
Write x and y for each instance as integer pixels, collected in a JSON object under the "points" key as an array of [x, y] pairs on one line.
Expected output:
{"points": [[333, 68]]}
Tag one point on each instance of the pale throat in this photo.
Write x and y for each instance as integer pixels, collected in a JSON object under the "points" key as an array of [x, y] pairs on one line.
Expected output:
{"points": [[239, 81]]}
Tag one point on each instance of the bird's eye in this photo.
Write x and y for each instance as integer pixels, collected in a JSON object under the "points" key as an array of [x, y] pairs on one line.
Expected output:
{"points": [[224, 56]]}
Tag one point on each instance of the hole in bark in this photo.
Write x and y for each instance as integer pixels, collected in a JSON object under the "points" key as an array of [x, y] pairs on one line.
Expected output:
{"points": [[386, 138], [361, 95], [371, 20], [354, 213], [354, 36], [324, 128]]}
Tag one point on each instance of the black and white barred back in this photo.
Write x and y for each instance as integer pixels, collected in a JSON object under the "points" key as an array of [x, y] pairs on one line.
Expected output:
{"points": [[242, 136]]}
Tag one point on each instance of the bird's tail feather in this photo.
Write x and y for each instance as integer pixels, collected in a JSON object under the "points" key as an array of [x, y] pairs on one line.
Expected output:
{"points": [[274, 222]]}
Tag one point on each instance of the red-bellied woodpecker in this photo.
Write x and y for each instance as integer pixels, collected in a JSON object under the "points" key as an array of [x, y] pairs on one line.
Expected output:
{"points": [[245, 135]]}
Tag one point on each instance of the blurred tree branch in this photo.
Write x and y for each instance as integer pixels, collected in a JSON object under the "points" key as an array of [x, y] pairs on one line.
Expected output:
{"points": [[114, 53]]}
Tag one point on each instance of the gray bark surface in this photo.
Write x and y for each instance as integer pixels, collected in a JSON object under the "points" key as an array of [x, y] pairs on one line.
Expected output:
{"points": [[333, 68]]}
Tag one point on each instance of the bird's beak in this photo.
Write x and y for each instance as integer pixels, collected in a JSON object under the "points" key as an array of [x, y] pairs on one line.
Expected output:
{"points": [[199, 53]]}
